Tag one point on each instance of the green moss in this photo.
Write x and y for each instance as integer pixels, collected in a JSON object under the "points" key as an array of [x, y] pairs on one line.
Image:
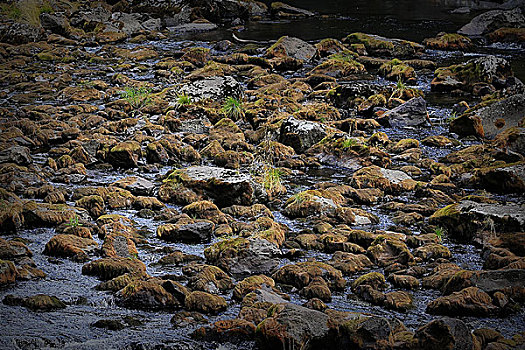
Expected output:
{"points": [[369, 41], [450, 211], [372, 277]]}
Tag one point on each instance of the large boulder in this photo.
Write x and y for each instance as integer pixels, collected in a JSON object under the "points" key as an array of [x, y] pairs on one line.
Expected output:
{"points": [[12, 32], [492, 20], [504, 179], [411, 113], [292, 47], [227, 187], [470, 301], [486, 69], [444, 333], [244, 257], [380, 46], [502, 115], [213, 88], [292, 325], [301, 134], [463, 219]]}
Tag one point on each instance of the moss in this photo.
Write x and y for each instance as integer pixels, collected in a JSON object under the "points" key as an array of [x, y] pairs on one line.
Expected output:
{"points": [[372, 278], [450, 211], [370, 42]]}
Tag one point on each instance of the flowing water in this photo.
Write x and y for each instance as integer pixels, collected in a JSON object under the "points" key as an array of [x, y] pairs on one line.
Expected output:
{"points": [[70, 328]]}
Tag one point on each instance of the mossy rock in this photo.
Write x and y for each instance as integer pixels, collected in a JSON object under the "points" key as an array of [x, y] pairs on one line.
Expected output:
{"points": [[449, 41], [249, 284], [70, 246], [148, 294], [301, 274], [205, 302], [108, 268], [380, 46], [374, 279], [339, 68]]}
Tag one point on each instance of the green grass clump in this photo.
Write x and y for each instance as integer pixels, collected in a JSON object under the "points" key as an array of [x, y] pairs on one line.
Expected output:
{"points": [[439, 231], [137, 98], [272, 178], [182, 100], [233, 108]]}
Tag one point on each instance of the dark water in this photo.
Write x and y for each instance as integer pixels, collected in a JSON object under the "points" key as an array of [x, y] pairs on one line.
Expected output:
{"points": [[70, 328]]}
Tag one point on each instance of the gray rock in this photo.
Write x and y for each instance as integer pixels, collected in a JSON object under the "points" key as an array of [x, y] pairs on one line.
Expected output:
{"points": [[16, 154], [295, 325], [55, 22], [193, 27], [492, 20], [501, 217], [198, 232], [260, 257], [282, 7], [492, 281], [510, 110], [411, 113], [227, 187], [295, 48], [19, 33], [301, 134], [214, 88]]}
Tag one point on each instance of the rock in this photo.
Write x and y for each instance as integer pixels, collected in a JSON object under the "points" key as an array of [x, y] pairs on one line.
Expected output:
{"points": [[462, 220], [449, 41], [16, 33], [365, 332], [198, 232], [205, 210], [444, 333], [301, 134], [227, 187], [16, 154], [381, 46], [93, 204], [312, 203], [231, 331], [293, 325], [502, 115], [207, 278], [338, 66], [147, 294], [317, 288], [7, 272], [205, 302], [375, 280], [284, 10], [291, 47], [250, 284], [302, 274], [112, 325], [492, 20], [70, 246], [39, 302], [243, 257], [349, 263], [178, 258], [506, 35], [193, 27], [470, 301], [213, 88], [505, 179], [511, 140], [467, 125], [399, 301], [137, 185], [411, 113], [464, 76], [492, 281], [433, 251], [108, 268], [124, 155], [404, 281], [390, 181]]}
